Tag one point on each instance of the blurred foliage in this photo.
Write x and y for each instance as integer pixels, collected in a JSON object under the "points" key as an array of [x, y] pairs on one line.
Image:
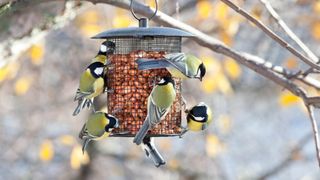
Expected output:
{"points": [[46, 151]]}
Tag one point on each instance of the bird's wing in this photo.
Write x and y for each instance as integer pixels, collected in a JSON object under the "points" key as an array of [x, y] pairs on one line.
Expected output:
{"points": [[178, 61], [155, 113], [79, 95], [145, 64]]}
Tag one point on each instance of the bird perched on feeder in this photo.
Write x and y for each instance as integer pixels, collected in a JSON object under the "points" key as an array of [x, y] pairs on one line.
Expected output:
{"points": [[159, 103], [151, 151], [198, 118], [178, 64], [98, 126], [93, 80]]}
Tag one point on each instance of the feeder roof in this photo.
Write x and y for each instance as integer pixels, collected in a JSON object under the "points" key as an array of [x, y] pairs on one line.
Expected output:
{"points": [[142, 32]]}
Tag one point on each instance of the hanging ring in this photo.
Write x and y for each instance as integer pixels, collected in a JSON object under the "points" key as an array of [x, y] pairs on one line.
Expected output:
{"points": [[135, 16]]}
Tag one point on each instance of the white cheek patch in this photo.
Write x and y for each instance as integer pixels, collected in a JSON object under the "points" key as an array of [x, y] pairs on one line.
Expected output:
{"points": [[162, 81], [199, 118], [98, 71], [103, 48]]}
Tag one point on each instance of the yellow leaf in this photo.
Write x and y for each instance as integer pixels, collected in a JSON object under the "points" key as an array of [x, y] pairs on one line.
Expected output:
{"points": [[226, 38], [208, 85], [213, 146], [291, 63], [46, 152], [151, 3], [316, 7], [77, 158], [36, 54], [316, 30], [256, 12], [121, 21], [67, 140], [224, 123], [232, 68], [215, 79], [90, 29], [22, 85], [4, 71], [287, 99], [9, 71], [221, 11], [204, 8], [89, 17]]}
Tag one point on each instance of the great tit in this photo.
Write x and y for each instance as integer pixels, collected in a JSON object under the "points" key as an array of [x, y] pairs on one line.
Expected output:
{"points": [[178, 64], [151, 151], [98, 126], [93, 80], [198, 118], [159, 103]]}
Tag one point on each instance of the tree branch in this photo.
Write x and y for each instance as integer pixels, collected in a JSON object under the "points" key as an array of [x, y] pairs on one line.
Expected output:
{"points": [[272, 35], [289, 32]]}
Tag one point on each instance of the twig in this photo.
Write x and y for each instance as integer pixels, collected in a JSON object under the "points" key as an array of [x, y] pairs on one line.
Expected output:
{"points": [[12, 48], [314, 129], [286, 162], [272, 35], [289, 32]]}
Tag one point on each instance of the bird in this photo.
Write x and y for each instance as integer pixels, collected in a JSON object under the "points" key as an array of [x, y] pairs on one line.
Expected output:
{"points": [[93, 81], [98, 126], [158, 105], [180, 65], [198, 118], [151, 151]]}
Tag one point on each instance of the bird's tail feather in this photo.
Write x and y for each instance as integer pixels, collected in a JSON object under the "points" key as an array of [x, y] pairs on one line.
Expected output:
{"points": [[142, 132], [85, 144], [152, 152], [145, 64], [81, 103]]}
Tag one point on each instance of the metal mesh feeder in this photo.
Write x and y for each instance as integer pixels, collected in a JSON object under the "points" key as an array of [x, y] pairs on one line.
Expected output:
{"points": [[131, 87]]}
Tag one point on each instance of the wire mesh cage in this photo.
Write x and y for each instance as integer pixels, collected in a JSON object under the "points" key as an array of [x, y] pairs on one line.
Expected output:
{"points": [[130, 87]]}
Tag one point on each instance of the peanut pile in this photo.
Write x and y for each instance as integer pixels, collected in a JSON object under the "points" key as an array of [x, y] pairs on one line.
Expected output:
{"points": [[131, 88]]}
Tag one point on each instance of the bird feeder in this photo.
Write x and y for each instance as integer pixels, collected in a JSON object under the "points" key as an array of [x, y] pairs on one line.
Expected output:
{"points": [[129, 88]]}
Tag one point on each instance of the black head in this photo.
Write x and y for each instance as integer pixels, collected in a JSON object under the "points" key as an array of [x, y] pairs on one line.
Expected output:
{"points": [[201, 71], [199, 113], [107, 47], [165, 80], [96, 69], [113, 123]]}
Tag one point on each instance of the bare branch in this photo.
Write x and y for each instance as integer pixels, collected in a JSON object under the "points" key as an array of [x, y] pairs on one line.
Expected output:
{"points": [[272, 35], [12, 48], [289, 32], [314, 129]]}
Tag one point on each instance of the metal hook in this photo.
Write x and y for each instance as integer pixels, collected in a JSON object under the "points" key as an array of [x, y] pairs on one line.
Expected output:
{"points": [[135, 16]]}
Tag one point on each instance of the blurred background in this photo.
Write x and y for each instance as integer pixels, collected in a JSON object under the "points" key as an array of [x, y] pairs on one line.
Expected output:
{"points": [[260, 131]]}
